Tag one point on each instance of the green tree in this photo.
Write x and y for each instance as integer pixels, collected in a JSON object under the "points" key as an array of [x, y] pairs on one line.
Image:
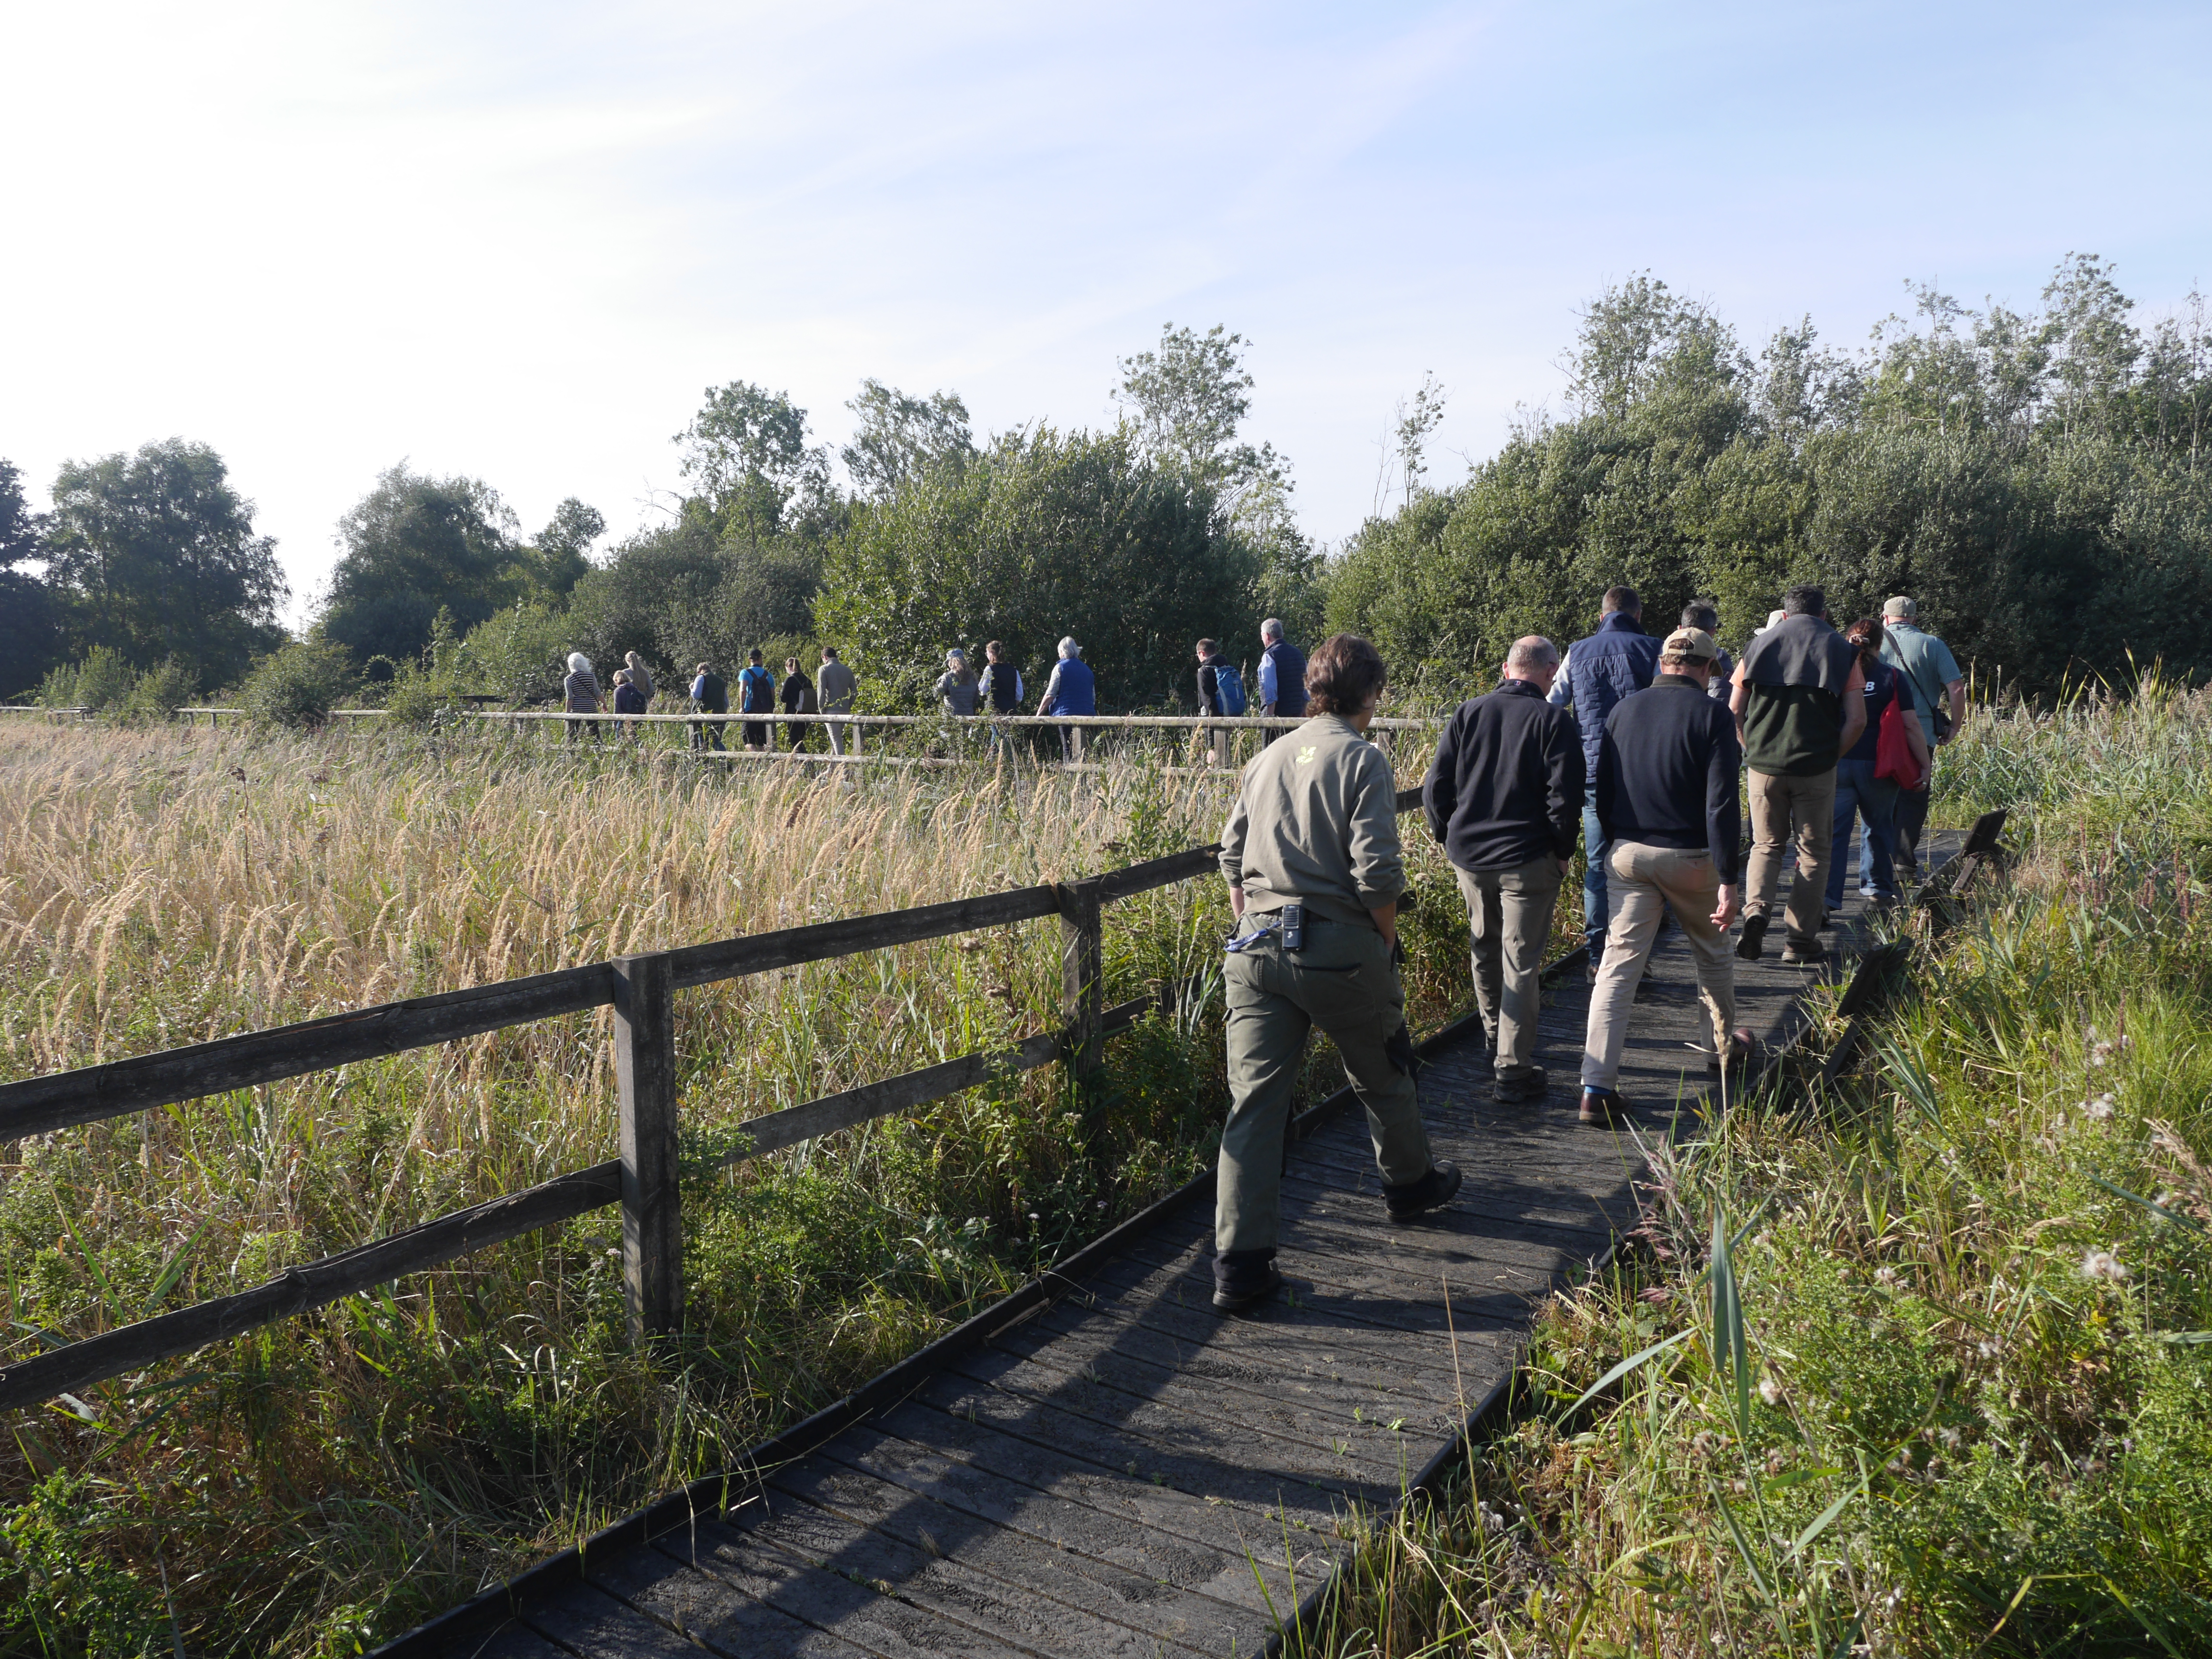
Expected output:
{"points": [[1046, 534], [561, 552], [31, 642], [897, 438], [1189, 397], [414, 545], [746, 451], [155, 556]]}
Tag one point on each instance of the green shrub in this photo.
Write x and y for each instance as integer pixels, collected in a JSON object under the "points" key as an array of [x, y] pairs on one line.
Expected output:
{"points": [[162, 689], [298, 686], [101, 682]]}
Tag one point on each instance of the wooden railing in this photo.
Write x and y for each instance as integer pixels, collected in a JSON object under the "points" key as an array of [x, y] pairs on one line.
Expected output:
{"points": [[643, 1177]]}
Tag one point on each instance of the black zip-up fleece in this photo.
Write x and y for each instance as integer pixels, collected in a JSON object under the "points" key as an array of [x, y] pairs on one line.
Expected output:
{"points": [[1506, 786], [1667, 772]]}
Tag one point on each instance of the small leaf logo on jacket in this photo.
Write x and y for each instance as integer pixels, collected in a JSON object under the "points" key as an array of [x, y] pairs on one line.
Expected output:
{"points": [[1307, 753]]}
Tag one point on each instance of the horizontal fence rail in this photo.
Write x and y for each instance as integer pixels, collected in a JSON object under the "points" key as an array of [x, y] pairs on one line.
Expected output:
{"points": [[775, 717], [645, 1178]]}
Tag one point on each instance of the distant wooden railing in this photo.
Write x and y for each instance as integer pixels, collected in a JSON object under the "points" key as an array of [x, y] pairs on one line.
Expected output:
{"points": [[643, 1178]]}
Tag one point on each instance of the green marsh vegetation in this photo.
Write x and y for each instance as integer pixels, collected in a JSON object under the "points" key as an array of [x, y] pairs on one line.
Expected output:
{"points": [[321, 1484], [1923, 1367]]}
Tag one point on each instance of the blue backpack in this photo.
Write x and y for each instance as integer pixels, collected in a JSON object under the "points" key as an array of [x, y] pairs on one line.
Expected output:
{"points": [[1229, 687]]}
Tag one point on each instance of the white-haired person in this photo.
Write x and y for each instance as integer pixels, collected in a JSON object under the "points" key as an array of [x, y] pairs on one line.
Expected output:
{"points": [[957, 688], [639, 675], [579, 693], [1071, 691]]}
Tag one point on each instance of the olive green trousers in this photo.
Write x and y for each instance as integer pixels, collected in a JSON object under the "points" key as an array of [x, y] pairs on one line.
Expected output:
{"points": [[1342, 981]]}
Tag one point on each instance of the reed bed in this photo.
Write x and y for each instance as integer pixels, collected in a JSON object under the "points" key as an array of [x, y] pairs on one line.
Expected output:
{"points": [[1923, 1367], [319, 1485]]}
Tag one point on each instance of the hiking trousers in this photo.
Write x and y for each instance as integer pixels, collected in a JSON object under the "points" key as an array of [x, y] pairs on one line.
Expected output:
{"points": [[1509, 915], [1784, 810], [1342, 981], [1645, 883]]}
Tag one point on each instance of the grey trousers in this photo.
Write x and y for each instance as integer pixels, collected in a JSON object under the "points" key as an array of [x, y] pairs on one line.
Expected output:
{"points": [[1783, 810], [1509, 915], [1343, 982]]}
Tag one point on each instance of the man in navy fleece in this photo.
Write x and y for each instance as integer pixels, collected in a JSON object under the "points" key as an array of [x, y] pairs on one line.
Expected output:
{"points": [[1666, 792]]}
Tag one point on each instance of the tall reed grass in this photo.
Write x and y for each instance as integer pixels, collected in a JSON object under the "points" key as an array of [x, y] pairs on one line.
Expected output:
{"points": [[319, 1485], [1923, 1368]]}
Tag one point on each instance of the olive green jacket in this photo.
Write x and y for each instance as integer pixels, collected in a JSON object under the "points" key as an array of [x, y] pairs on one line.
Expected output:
{"points": [[1316, 822]]}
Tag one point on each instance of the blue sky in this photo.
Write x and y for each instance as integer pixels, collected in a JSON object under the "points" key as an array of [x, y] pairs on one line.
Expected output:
{"points": [[517, 241]]}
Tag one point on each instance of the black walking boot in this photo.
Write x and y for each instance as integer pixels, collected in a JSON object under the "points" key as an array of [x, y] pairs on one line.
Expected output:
{"points": [[1753, 945], [1242, 1278], [1417, 1198]]}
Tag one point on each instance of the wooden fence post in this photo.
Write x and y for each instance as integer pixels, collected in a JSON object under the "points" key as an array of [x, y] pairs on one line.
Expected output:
{"points": [[652, 1219], [1223, 737], [1082, 974]]}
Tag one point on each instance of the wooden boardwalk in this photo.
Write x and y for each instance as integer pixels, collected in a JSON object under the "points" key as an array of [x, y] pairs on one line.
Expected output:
{"points": [[1123, 1471]]}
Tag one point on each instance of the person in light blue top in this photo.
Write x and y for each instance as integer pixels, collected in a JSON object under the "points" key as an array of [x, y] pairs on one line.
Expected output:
{"points": [[1282, 673], [1071, 691], [1939, 692]]}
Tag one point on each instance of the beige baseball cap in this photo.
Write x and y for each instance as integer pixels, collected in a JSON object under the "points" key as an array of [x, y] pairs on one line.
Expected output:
{"points": [[1691, 645]]}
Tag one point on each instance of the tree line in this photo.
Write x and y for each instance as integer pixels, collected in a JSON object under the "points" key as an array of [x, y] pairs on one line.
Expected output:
{"points": [[2034, 479]]}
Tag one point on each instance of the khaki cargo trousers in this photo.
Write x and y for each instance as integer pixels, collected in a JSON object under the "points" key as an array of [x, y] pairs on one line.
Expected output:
{"points": [[1342, 981], [1509, 915], [1783, 809]]}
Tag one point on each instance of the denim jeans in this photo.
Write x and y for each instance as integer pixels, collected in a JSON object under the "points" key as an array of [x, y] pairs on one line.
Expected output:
{"points": [[1592, 876], [1860, 794]]}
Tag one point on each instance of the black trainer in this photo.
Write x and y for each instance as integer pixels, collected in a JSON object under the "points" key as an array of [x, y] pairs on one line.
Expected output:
{"points": [[1417, 1198], [1753, 945], [1808, 954], [1242, 1278]]}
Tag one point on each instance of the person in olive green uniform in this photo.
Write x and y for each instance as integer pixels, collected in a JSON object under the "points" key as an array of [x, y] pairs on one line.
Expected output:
{"points": [[1316, 825], [1797, 711]]}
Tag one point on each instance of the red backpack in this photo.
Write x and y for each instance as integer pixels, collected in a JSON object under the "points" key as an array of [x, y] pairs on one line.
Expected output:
{"points": [[1893, 749]]}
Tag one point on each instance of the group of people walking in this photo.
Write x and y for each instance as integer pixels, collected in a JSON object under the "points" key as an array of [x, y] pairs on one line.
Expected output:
{"points": [[758, 691], [1626, 746]]}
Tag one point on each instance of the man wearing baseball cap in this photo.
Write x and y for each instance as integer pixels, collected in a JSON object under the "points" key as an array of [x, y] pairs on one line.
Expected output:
{"points": [[1666, 792], [1938, 688]]}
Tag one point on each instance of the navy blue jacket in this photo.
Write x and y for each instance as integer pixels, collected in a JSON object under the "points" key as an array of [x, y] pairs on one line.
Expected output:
{"points": [[1667, 772], [1506, 786], [1612, 665], [1283, 671]]}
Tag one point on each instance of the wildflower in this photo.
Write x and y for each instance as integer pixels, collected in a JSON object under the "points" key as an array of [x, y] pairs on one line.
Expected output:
{"points": [[1704, 1441], [1885, 1275], [1952, 1439], [2100, 1055], [1988, 1349], [1769, 1389], [2101, 1107], [2105, 1265]]}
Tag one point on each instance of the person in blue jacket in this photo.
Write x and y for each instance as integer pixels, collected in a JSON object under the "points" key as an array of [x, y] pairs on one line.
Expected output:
{"points": [[757, 691], [1282, 674], [1601, 672], [1071, 691]]}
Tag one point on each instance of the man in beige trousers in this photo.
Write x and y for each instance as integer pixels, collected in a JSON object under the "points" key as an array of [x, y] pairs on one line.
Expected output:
{"points": [[1797, 708], [1666, 796]]}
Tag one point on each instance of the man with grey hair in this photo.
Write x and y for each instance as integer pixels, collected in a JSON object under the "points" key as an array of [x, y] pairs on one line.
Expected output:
{"points": [[1071, 691], [1938, 687], [1504, 798], [1282, 673]]}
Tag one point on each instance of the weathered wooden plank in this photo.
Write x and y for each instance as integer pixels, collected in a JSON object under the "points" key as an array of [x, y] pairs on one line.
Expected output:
{"points": [[298, 1289], [853, 1107], [514, 1642], [1082, 974], [1231, 1551], [970, 1573], [1124, 1459], [866, 1611], [1192, 1415], [593, 1624], [1157, 872], [788, 947], [59, 1100], [700, 1607]]}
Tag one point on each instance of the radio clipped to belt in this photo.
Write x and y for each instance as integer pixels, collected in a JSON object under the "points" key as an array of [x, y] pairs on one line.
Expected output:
{"points": [[1290, 923]]}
